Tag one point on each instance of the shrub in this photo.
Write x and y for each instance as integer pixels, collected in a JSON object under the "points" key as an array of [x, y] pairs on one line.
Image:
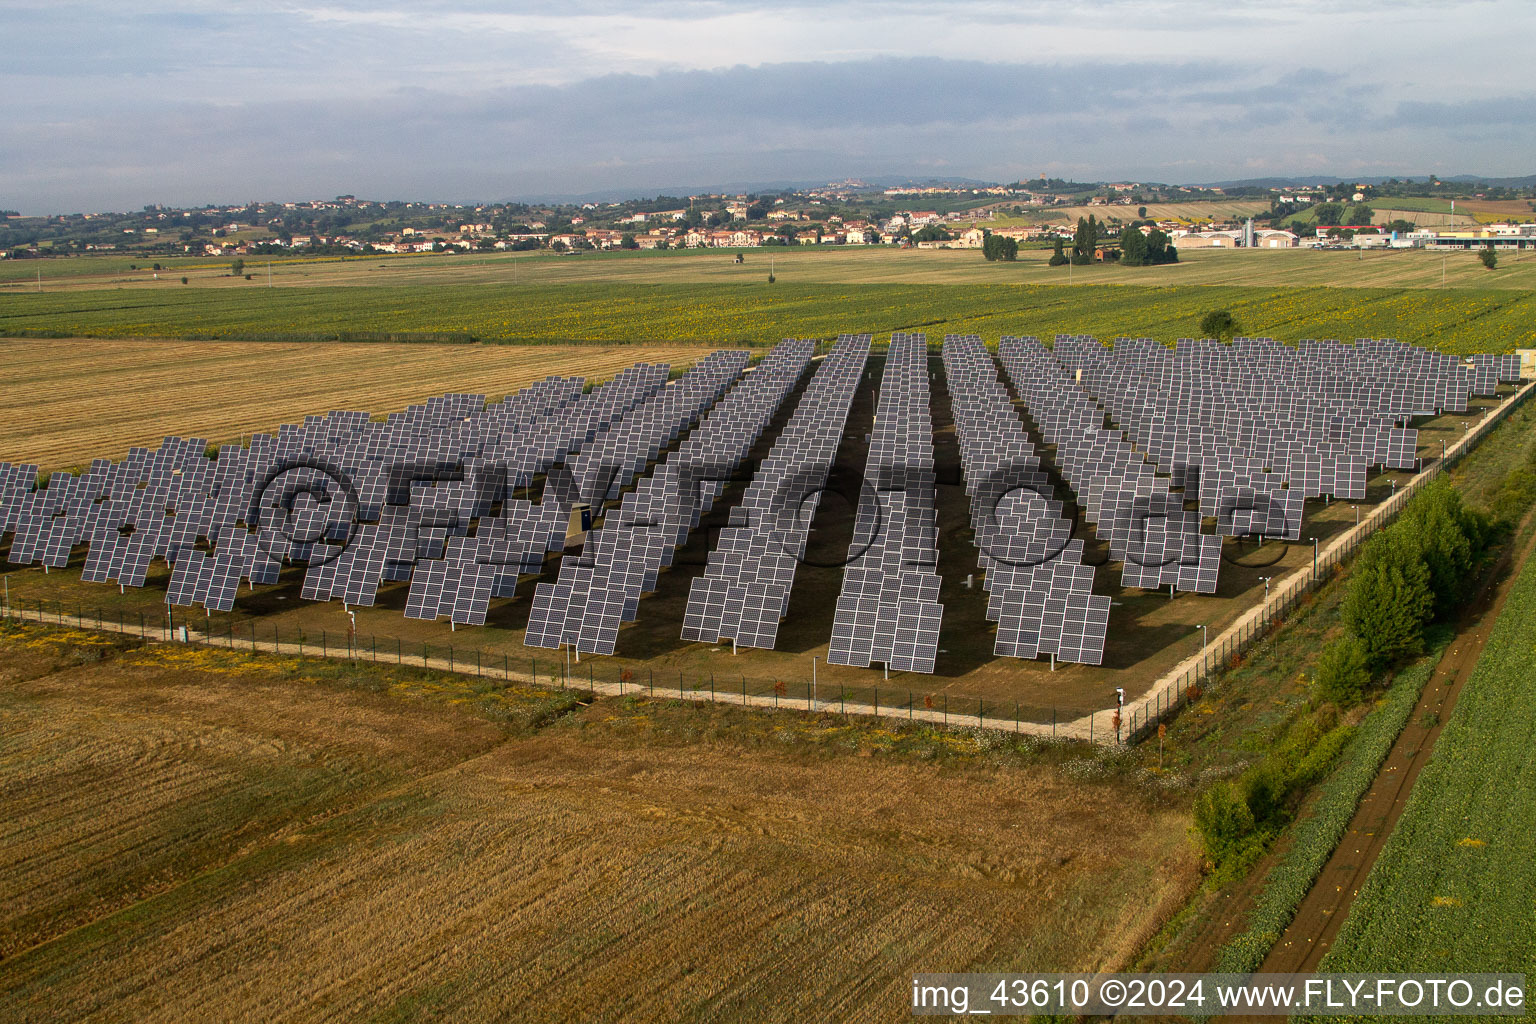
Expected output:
{"points": [[1343, 672], [1219, 323], [1513, 498], [1224, 822], [1489, 257]]}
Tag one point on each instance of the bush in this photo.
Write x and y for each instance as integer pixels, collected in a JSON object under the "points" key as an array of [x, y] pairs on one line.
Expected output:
{"points": [[1513, 498], [1489, 257], [183, 280], [1225, 824], [1219, 323], [1343, 672], [1389, 600]]}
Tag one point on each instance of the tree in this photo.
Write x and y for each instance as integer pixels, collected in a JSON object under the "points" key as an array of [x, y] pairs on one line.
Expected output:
{"points": [[627, 241], [932, 233], [1328, 214], [1359, 214], [236, 268], [1141, 211], [1449, 537], [1219, 323], [1133, 247], [996, 247], [1389, 600], [1084, 241], [1160, 248], [1489, 257], [1343, 671], [1058, 258]]}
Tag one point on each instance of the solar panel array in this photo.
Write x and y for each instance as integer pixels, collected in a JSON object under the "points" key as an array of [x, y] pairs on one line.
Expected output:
{"points": [[1489, 371], [1039, 592], [744, 592], [606, 463], [441, 494], [888, 610], [1131, 507], [414, 486], [1257, 427], [622, 559]]}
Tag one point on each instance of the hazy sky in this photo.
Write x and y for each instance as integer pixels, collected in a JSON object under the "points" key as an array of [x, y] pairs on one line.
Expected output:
{"points": [[113, 105]]}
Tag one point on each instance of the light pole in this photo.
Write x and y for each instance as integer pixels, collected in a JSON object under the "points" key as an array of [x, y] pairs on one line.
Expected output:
{"points": [[813, 682], [1314, 559], [1266, 580], [1204, 639], [1357, 514]]}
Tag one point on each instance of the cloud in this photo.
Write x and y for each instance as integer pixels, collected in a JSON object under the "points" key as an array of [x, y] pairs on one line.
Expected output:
{"points": [[461, 99], [1499, 112]]}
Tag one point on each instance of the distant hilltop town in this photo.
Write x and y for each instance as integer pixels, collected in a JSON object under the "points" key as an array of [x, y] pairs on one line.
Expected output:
{"points": [[1427, 213]]}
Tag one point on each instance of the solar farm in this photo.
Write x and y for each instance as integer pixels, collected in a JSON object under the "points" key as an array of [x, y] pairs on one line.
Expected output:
{"points": [[1012, 521]]}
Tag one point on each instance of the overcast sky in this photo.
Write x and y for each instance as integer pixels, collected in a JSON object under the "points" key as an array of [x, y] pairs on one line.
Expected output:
{"points": [[111, 104]]}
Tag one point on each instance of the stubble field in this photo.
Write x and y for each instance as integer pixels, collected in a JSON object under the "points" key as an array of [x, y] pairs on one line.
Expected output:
{"points": [[72, 400], [199, 834]]}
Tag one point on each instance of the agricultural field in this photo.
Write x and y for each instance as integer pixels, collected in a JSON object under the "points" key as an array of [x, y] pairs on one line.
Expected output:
{"points": [[1489, 211], [199, 834], [422, 277], [1232, 209], [1453, 888], [1393, 299], [72, 400]]}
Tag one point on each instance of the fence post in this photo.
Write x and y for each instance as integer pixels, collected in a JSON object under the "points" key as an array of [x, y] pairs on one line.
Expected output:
{"points": [[324, 652]]}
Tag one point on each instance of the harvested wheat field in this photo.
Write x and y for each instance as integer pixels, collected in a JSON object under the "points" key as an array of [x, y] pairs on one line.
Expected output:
{"points": [[200, 835], [72, 400]]}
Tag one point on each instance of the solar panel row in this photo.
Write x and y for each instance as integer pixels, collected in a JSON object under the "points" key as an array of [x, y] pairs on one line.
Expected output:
{"points": [[622, 559], [488, 563], [1039, 592], [888, 610], [744, 592], [1121, 494]]}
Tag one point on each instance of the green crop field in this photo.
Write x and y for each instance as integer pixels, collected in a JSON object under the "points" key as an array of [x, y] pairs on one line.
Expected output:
{"points": [[1461, 321], [1453, 889]]}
